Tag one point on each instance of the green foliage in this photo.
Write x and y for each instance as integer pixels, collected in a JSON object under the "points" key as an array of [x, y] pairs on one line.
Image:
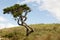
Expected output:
{"points": [[16, 10]]}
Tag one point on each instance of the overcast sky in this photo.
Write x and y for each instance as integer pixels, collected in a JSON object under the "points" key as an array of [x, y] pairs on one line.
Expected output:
{"points": [[43, 11]]}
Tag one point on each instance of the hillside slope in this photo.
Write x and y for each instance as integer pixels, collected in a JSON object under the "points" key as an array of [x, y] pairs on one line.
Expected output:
{"points": [[41, 32]]}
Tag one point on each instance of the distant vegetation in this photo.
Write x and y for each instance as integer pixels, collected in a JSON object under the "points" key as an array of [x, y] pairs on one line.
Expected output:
{"points": [[41, 32]]}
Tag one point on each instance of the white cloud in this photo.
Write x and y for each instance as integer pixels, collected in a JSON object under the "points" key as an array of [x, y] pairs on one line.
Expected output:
{"points": [[52, 6], [2, 19], [4, 23], [28, 1], [8, 25], [2, 26]]}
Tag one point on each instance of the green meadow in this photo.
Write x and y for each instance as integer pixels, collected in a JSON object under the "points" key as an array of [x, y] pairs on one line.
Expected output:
{"points": [[41, 32]]}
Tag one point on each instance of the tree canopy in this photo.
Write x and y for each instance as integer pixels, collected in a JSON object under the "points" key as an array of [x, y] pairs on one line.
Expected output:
{"points": [[16, 10]]}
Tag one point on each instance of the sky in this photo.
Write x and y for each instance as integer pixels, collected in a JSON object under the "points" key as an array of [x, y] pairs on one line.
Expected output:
{"points": [[43, 11]]}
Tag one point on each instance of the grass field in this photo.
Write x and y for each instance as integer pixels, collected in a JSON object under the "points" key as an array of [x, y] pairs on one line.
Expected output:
{"points": [[41, 32]]}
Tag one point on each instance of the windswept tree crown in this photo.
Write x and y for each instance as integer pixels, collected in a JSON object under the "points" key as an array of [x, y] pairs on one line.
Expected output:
{"points": [[16, 10]]}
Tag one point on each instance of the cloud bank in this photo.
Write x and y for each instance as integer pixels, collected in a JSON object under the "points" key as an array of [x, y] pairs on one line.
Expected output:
{"points": [[4, 23], [8, 25], [52, 6], [2, 19], [28, 1]]}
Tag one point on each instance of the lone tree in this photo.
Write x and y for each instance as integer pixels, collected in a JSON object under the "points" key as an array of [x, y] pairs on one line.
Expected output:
{"points": [[17, 12]]}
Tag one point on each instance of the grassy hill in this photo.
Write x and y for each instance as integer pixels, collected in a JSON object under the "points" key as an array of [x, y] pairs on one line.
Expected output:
{"points": [[41, 32]]}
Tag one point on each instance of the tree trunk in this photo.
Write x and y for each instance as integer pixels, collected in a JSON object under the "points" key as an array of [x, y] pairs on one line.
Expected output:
{"points": [[25, 25]]}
